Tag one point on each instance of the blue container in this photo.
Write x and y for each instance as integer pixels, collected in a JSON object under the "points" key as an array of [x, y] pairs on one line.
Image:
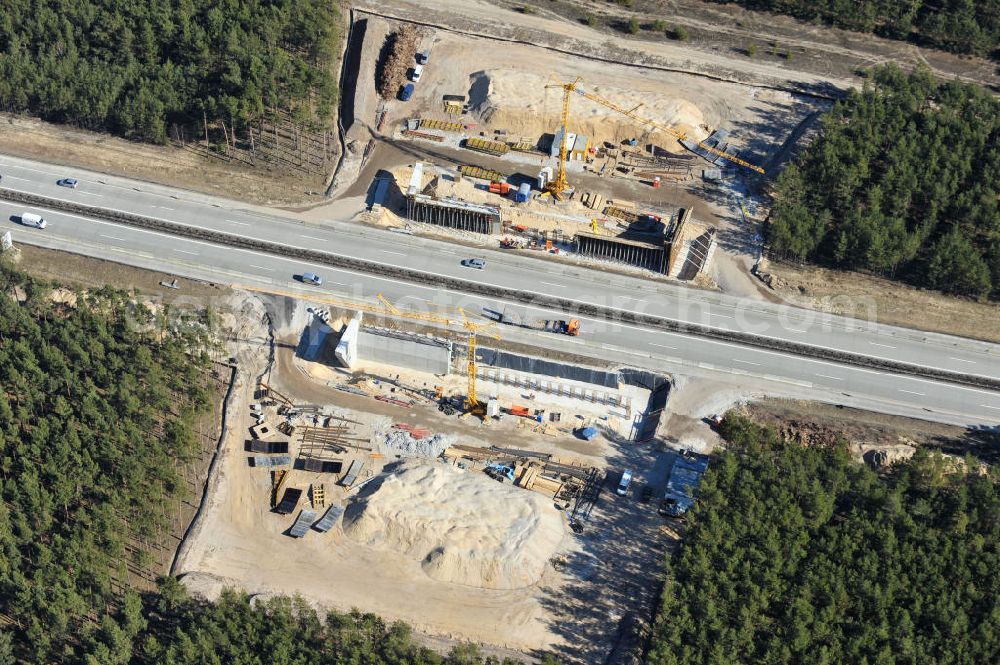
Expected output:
{"points": [[523, 193]]}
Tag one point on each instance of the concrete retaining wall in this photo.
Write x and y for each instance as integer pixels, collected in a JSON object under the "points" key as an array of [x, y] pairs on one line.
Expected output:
{"points": [[409, 350]]}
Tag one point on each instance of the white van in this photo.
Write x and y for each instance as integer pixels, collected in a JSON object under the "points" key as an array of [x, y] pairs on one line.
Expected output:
{"points": [[417, 71], [623, 484], [31, 219]]}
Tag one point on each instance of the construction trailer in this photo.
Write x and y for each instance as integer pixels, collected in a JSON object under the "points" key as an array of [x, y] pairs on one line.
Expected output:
{"points": [[682, 484]]}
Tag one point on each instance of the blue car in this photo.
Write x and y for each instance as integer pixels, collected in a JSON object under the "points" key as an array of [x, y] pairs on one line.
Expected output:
{"points": [[406, 92], [68, 182]]}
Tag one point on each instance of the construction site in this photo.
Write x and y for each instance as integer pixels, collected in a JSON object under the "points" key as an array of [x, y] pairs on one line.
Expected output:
{"points": [[632, 170], [370, 450], [452, 468]]}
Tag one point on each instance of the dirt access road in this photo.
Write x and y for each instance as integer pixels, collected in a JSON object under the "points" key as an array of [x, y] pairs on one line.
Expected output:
{"points": [[780, 40], [821, 60]]}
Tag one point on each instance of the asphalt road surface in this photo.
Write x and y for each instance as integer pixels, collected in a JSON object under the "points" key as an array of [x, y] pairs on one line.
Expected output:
{"points": [[655, 349]]}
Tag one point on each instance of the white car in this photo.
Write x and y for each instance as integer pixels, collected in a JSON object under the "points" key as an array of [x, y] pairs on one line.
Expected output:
{"points": [[31, 219]]}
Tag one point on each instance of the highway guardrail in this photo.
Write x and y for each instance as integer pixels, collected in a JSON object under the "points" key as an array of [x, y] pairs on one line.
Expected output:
{"points": [[566, 305]]}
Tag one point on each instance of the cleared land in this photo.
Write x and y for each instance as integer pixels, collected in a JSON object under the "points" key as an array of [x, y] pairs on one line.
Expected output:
{"points": [[869, 297]]}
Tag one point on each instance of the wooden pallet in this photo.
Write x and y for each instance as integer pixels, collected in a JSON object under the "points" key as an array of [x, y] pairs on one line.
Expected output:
{"points": [[318, 496]]}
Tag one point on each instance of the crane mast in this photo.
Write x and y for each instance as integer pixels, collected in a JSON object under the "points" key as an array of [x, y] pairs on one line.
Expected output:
{"points": [[560, 183]]}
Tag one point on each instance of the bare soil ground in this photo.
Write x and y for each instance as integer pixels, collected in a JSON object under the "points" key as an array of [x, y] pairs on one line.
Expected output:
{"points": [[813, 423], [166, 165], [592, 582], [90, 272], [868, 297]]}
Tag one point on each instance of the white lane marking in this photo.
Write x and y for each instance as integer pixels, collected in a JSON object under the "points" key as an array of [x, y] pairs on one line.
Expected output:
{"points": [[411, 285], [113, 237], [14, 177], [721, 316], [745, 362], [163, 207], [386, 251], [261, 267], [314, 238], [184, 251], [100, 196], [796, 330], [883, 345], [996, 408], [962, 360], [912, 392], [558, 286], [835, 378], [663, 346], [233, 221]]}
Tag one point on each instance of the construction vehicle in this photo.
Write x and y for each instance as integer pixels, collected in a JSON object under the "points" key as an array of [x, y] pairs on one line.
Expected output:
{"points": [[561, 326], [472, 404], [500, 472], [560, 183]]}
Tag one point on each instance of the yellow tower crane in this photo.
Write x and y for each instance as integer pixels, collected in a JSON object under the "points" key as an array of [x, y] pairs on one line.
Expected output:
{"points": [[560, 183], [472, 403]]}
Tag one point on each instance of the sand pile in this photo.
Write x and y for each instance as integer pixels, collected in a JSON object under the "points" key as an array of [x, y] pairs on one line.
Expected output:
{"points": [[519, 102], [463, 527]]}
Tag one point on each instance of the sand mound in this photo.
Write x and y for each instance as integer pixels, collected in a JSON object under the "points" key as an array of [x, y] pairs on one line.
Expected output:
{"points": [[520, 102], [464, 527]]}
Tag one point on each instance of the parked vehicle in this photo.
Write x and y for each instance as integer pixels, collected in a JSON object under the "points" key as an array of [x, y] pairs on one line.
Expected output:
{"points": [[417, 71], [669, 508], [311, 278], [68, 182], [406, 92], [31, 219], [561, 326], [423, 57], [624, 483], [479, 264]]}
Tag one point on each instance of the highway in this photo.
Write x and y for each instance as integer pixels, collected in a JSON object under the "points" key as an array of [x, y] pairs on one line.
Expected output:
{"points": [[601, 339]]}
